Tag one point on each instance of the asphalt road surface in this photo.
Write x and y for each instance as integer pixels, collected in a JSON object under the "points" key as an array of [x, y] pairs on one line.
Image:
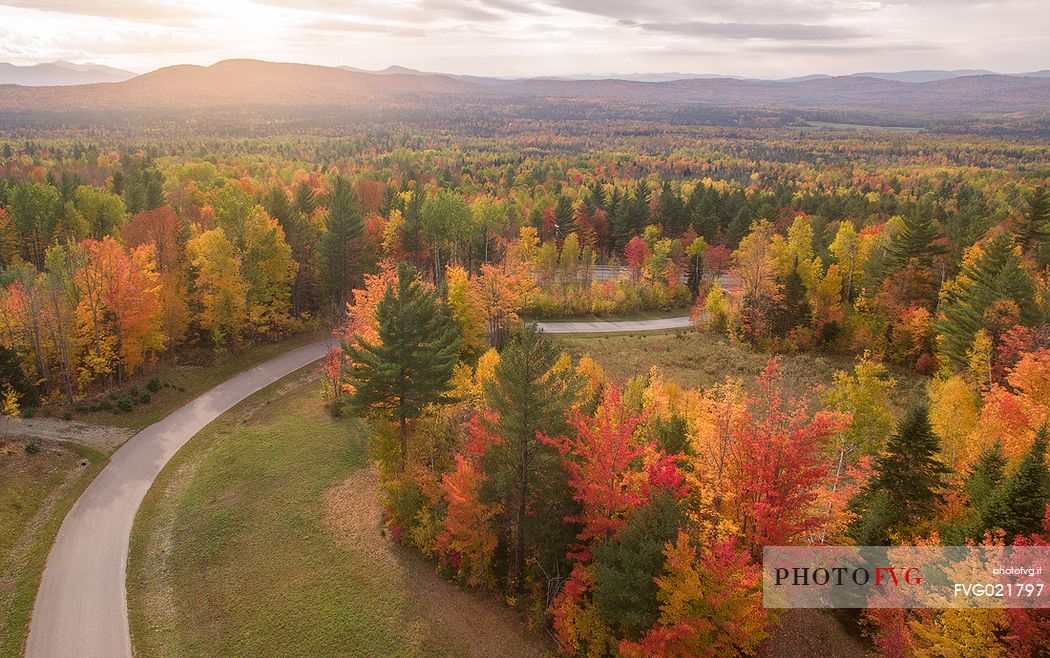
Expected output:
{"points": [[613, 326], [81, 608]]}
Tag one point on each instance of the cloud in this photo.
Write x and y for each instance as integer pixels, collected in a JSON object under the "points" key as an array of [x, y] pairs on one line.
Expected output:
{"points": [[513, 7], [777, 31], [846, 49], [340, 25], [460, 9], [421, 11], [128, 10]]}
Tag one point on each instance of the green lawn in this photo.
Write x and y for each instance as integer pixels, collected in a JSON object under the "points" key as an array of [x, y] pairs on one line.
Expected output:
{"points": [[36, 491], [253, 542]]}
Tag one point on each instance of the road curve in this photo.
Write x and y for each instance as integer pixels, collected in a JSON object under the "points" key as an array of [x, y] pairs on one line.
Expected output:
{"points": [[81, 607], [613, 326]]}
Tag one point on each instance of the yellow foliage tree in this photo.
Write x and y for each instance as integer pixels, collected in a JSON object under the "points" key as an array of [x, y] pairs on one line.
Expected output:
{"points": [[220, 288], [954, 410]]}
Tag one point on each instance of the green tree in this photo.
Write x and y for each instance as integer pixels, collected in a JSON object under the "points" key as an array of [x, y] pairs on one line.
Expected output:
{"points": [[530, 396], [624, 569], [563, 216], [1032, 228], [917, 239], [673, 212], [35, 210], [103, 212], [341, 244], [411, 365], [906, 484], [696, 250], [998, 273], [142, 190], [446, 217], [865, 396], [1021, 501], [304, 199], [794, 310], [982, 486], [301, 236]]}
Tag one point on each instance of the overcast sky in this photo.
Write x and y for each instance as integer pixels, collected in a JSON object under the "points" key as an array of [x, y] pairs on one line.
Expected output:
{"points": [[770, 38]]}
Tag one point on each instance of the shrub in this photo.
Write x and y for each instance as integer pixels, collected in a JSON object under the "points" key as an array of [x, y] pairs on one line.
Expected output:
{"points": [[145, 398], [153, 385], [125, 402], [32, 447]]}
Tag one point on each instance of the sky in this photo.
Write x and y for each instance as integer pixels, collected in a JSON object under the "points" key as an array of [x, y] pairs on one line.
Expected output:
{"points": [[757, 38]]}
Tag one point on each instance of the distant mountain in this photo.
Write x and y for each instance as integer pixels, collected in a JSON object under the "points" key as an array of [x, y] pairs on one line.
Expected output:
{"points": [[929, 75], [804, 78], [236, 84], [390, 70], [638, 77], [60, 73], [917, 76], [968, 95]]}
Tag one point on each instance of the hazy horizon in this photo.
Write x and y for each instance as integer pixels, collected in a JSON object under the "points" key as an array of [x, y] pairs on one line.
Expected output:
{"points": [[507, 38]]}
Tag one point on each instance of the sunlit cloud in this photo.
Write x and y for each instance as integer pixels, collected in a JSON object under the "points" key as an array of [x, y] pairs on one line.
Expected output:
{"points": [[766, 38]]}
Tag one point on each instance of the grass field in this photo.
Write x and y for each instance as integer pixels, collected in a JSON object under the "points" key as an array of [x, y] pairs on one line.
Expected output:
{"points": [[695, 358], [637, 315], [36, 491], [262, 537]]}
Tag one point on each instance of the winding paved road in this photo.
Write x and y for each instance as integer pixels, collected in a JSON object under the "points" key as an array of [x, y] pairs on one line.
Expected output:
{"points": [[81, 608], [613, 326]]}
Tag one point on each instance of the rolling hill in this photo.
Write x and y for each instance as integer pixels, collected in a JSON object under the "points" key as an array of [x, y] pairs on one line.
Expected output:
{"points": [[252, 83], [60, 73]]}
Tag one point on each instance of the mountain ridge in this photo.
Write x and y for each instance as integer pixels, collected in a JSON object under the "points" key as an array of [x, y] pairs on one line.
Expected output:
{"points": [[255, 83], [60, 73]]}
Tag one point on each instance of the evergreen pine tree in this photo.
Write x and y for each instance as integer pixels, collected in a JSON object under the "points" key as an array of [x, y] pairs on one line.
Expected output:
{"points": [[738, 227], [12, 376], [794, 309], [597, 197], [411, 242], [341, 245], [1033, 227], [986, 476], [638, 210], [905, 484], [1021, 501], [625, 590], [997, 274], [672, 211], [620, 218], [982, 484], [301, 237], [563, 216], [411, 365], [916, 239], [305, 199], [529, 397]]}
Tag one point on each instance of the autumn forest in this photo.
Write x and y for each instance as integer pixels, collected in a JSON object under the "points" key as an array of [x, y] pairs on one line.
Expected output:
{"points": [[607, 512]]}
